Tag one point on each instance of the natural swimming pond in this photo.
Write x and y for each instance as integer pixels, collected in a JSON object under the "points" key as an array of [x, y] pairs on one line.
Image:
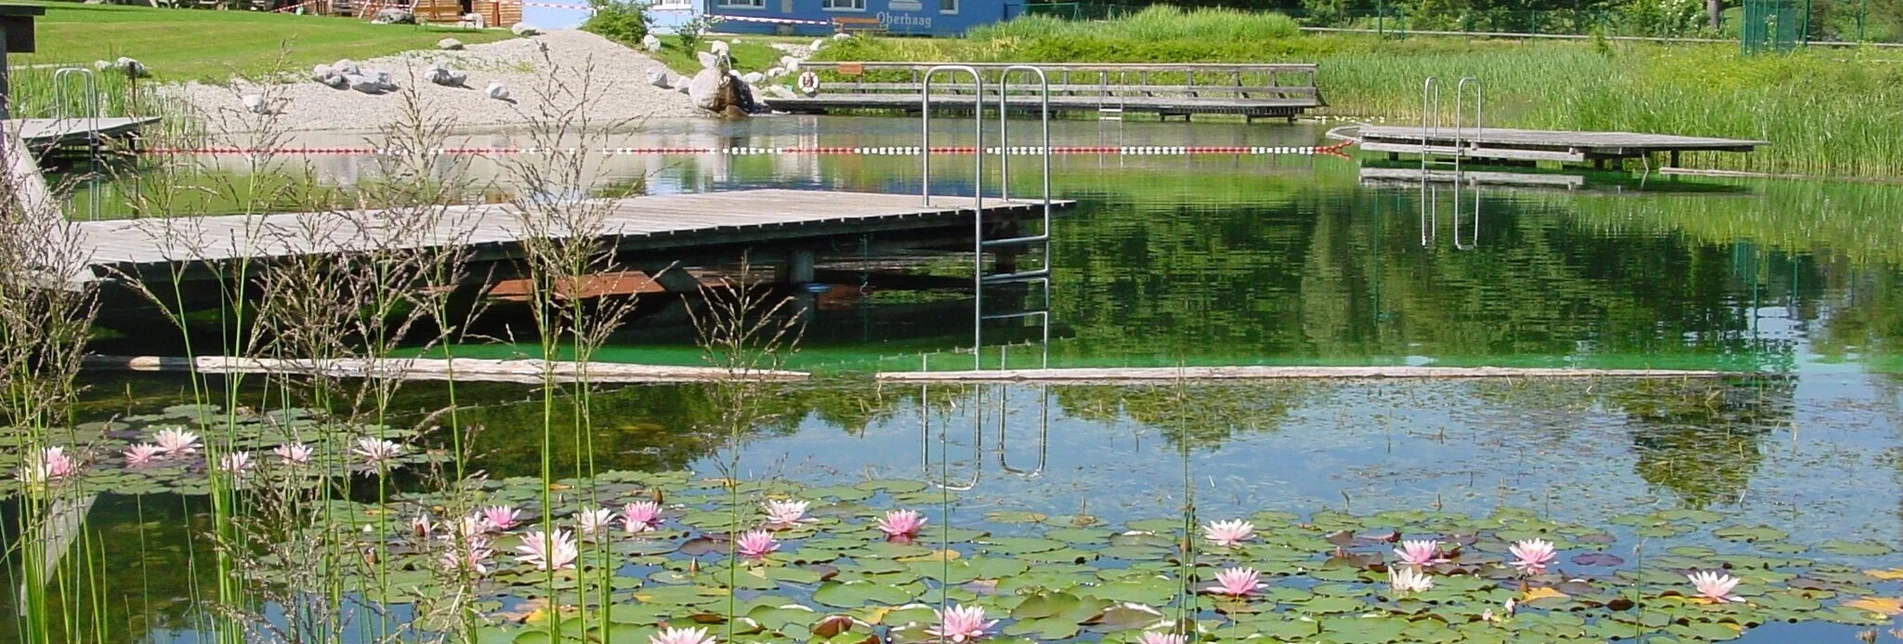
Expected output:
{"points": [[1080, 512]]}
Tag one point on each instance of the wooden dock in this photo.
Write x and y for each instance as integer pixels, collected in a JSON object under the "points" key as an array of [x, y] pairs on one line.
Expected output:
{"points": [[1165, 375], [524, 371], [1532, 146], [51, 134], [1414, 176], [673, 223], [1251, 91]]}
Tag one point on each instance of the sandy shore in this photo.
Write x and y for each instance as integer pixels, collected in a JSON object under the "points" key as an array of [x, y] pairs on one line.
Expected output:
{"points": [[615, 76]]}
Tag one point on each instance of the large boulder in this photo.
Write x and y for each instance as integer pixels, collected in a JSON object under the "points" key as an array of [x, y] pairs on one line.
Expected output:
{"points": [[659, 78], [365, 84], [790, 63], [524, 29], [818, 43], [776, 72], [651, 42], [450, 44], [711, 89], [346, 67], [720, 48], [131, 66], [394, 16], [707, 60]]}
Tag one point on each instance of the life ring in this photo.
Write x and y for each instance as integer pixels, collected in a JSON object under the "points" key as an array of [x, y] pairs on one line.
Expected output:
{"points": [[809, 83]]}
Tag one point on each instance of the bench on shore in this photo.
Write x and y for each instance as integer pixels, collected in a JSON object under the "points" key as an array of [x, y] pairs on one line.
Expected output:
{"points": [[857, 24]]}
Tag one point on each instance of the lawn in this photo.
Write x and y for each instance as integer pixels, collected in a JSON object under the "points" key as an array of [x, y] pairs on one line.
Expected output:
{"points": [[197, 44], [751, 54]]}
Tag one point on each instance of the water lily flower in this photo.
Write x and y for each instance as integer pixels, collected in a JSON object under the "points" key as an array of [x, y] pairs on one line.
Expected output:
{"points": [[142, 454], [1532, 555], [293, 453], [595, 521], [548, 550], [236, 464], [901, 524], [1236, 582], [469, 555], [465, 529], [757, 543], [785, 514], [1229, 533], [376, 452], [1408, 579], [176, 441], [500, 517], [1421, 552], [961, 624], [421, 526], [640, 516], [1150, 637], [48, 465], [672, 635], [1714, 586]]}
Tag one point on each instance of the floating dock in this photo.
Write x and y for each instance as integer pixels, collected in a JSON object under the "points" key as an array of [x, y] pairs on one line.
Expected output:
{"points": [[41, 135], [678, 224], [1532, 146], [1111, 90]]}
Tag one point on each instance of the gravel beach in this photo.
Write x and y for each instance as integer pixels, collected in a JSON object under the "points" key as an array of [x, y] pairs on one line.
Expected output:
{"points": [[619, 91]]}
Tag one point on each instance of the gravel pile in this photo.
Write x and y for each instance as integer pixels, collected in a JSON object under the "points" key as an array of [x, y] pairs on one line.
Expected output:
{"points": [[617, 75]]}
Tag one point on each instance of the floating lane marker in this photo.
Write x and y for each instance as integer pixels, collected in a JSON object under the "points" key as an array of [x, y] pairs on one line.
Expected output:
{"points": [[762, 151]]}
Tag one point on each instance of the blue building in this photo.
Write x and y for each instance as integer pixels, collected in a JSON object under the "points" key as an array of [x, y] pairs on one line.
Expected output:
{"points": [[825, 17]]}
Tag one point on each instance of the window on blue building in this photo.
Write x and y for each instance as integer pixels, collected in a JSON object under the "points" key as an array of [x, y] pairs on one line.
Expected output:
{"points": [[843, 5], [746, 4], [948, 6]]}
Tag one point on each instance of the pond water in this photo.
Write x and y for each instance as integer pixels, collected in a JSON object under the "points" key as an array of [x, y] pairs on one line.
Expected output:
{"points": [[1789, 479]]}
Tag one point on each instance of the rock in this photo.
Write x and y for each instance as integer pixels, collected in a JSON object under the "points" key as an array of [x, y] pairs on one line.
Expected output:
{"points": [[254, 104], [345, 67], [102, 65], [719, 48], [338, 81], [455, 79], [707, 60], [322, 73], [776, 72], [817, 44], [681, 87], [394, 16], [651, 43], [365, 84], [383, 79], [709, 89], [841, 36], [659, 78], [790, 63], [753, 78], [780, 91], [439, 73], [450, 44], [131, 66], [500, 93], [524, 29]]}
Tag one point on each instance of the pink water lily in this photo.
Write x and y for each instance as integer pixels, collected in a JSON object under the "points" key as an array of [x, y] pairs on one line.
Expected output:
{"points": [[902, 524], [237, 464], [47, 465], [640, 516], [422, 526], [757, 543], [1532, 556], [176, 441], [961, 624], [293, 453], [142, 454], [595, 521], [376, 452], [785, 514], [673, 635], [1409, 579], [467, 555], [1714, 586], [1422, 552], [1236, 582], [500, 517], [548, 550], [465, 529], [1229, 533], [1151, 637]]}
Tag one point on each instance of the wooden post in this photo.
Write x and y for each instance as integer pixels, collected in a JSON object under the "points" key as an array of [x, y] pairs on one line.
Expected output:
{"points": [[1675, 158]]}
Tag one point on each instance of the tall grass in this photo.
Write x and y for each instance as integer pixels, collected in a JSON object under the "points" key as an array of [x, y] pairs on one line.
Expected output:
{"points": [[35, 94], [1157, 22]]}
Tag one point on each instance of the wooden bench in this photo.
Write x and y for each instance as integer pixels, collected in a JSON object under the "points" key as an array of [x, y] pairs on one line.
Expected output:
{"points": [[854, 24]]}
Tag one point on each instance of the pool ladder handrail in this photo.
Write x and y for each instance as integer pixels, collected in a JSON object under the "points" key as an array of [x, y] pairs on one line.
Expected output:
{"points": [[91, 112]]}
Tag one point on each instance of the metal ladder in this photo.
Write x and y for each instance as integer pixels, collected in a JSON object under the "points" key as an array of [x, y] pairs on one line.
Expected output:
{"points": [[1430, 118], [88, 112]]}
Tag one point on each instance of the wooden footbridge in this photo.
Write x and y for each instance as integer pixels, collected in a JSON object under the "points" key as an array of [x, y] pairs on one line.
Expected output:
{"points": [[1111, 90]]}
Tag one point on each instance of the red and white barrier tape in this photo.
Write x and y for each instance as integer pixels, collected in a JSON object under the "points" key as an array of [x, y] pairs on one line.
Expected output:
{"points": [[297, 6], [777, 21], [759, 151], [551, 5]]}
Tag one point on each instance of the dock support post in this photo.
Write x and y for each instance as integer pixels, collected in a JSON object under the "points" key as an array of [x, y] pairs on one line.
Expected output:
{"points": [[799, 266], [1675, 158]]}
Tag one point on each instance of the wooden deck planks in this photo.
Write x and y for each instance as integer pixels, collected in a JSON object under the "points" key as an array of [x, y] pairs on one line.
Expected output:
{"points": [[1602, 142], [42, 132], [759, 212], [1153, 375]]}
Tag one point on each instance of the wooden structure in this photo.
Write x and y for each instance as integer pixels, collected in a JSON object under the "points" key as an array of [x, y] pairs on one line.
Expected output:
{"points": [[54, 135], [1165, 375], [1251, 91], [525, 371], [16, 37], [1533, 146], [494, 13], [648, 230], [1414, 176], [858, 24]]}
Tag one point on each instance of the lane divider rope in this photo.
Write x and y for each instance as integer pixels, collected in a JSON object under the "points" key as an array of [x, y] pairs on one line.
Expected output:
{"points": [[913, 150]]}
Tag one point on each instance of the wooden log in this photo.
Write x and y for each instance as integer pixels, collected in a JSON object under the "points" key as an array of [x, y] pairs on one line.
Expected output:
{"points": [[526, 371], [1203, 374]]}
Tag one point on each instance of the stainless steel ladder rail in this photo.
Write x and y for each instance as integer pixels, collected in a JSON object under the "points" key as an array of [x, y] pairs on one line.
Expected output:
{"points": [[1473, 240], [1430, 117], [1460, 124], [89, 114], [1041, 241]]}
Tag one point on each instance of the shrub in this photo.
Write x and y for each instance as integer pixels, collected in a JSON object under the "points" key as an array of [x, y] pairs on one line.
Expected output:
{"points": [[621, 21]]}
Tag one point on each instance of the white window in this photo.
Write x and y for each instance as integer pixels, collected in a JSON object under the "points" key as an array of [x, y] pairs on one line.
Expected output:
{"points": [[744, 4], [843, 5], [948, 6], [672, 5]]}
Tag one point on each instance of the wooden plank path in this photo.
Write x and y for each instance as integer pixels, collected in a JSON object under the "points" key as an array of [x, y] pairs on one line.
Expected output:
{"points": [[1153, 375], [46, 133], [1251, 90], [1508, 144], [647, 222]]}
